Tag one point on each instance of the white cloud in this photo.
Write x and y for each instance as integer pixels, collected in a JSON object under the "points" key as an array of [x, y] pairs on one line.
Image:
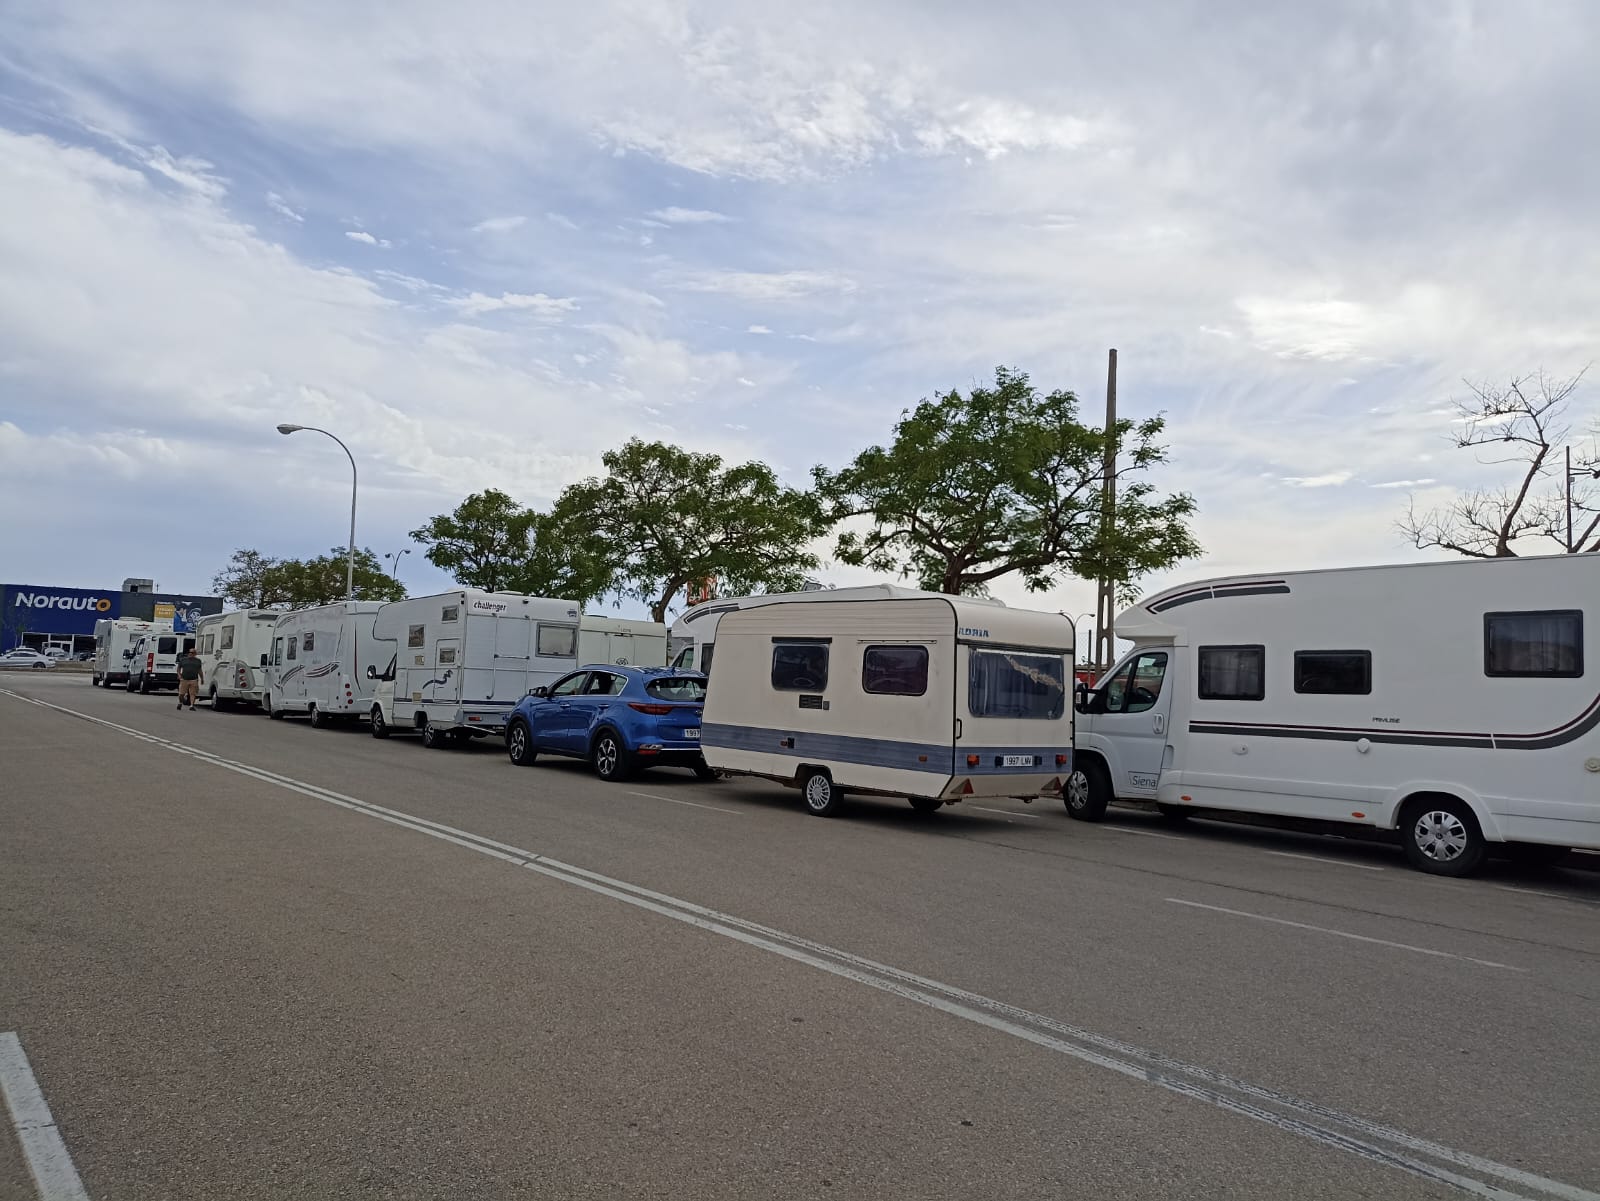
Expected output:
{"points": [[281, 206], [362, 236], [766, 285], [499, 225], [758, 329], [1405, 483], [1332, 479], [562, 221], [477, 304], [678, 216]]}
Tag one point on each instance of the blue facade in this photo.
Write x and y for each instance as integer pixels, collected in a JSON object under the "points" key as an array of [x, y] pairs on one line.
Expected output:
{"points": [[32, 613]]}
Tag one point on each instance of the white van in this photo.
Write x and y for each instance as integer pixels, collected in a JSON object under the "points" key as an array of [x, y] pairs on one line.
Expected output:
{"points": [[319, 662], [153, 660], [453, 666], [236, 648], [114, 639], [1450, 702], [920, 695], [692, 638], [620, 641]]}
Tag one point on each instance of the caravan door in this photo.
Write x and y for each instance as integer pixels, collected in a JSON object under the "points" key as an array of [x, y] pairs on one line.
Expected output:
{"points": [[1130, 711]]}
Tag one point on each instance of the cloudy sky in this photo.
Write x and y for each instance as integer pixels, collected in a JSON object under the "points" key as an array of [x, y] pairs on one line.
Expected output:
{"points": [[486, 242]]}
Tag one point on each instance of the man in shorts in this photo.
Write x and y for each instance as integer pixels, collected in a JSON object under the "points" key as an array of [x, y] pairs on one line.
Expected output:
{"points": [[188, 678]]}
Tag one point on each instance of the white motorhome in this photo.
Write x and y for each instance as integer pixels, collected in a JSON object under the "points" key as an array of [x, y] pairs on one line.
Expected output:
{"points": [[692, 638], [453, 666], [236, 649], [930, 697], [1450, 702], [319, 662], [618, 640], [114, 639]]}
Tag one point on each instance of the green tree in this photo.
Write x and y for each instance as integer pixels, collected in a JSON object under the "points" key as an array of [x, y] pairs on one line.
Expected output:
{"points": [[485, 543], [1005, 479], [664, 518], [247, 581], [253, 580]]}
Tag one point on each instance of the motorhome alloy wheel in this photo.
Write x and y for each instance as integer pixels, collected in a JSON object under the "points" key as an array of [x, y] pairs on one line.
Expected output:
{"points": [[822, 798]]}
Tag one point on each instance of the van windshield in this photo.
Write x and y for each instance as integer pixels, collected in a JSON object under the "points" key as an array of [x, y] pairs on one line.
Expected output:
{"points": [[1018, 684]]}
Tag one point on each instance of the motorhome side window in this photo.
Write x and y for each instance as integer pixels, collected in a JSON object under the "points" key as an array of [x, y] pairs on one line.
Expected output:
{"points": [[559, 642], [227, 638], [895, 670], [800, 666], [1547, 643], [447, 654], [291, 647], [450, 613], [416, 636], [277, 650], [1345, 673], [1232, 673], [1016, 684], [308, 640]]}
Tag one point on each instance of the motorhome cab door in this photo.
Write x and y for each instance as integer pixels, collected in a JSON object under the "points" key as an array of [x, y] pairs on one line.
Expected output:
{"points": [[1130, 710]]}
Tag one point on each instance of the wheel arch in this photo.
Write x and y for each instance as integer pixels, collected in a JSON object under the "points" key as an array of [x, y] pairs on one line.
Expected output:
{"points": [[1411, 797]]}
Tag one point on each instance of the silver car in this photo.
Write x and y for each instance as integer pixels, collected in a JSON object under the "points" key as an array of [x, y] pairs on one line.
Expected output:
{"points": [[23, 659]]}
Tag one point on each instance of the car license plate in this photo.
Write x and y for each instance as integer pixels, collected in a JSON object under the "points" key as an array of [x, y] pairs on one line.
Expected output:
{"points": [[1016, 761], [694, 733]]}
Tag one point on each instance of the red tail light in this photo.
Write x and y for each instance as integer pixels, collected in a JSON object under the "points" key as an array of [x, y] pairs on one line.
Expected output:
{"points": [[972, 761], [150, 663], [1061, 760], [653, 710]]}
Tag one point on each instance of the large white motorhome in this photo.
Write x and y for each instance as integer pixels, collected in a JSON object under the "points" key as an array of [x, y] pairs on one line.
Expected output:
{"points": [[319, 662], [114, 639], [929, 697], [620, 641], [1450, 702], [236, 649], [453, 666], [692, 639]]}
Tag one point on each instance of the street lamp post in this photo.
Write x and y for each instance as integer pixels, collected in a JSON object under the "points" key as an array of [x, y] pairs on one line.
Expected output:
{"points": [[350, 562], [394, 566], [1593, 473]]}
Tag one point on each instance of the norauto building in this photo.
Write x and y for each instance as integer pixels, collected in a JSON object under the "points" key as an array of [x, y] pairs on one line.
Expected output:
{"points": [[44, 615]]}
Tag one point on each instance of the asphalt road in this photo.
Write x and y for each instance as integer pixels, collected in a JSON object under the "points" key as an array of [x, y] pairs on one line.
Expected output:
{"points": [[245, 958]]}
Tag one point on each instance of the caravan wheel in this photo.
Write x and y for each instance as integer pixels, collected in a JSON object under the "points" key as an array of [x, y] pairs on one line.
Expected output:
{"points": [[823, 797], [433, 737]]}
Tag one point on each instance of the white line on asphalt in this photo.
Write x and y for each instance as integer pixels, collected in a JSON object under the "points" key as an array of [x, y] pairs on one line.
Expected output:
{"points": [[1145, 833], [1032, 817], [655, 796], [986, 1011], [1382, 942], [53, 1173], [1364, 867], [1539, 892]]}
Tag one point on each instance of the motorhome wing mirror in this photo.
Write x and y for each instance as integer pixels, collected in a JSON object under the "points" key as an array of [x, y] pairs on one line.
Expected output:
{"points": [[263, 658], [127, 652], [372, 672]]}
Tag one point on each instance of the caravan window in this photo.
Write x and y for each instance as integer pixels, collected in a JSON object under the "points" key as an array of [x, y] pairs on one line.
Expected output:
{"points": [[450, 613], [895, 670], [277, 650], [291, 647], [447, 654], [1547, 643], [1233, 673], [800, 665], [560, 642], [1016, 684], [1346, 673], [416, 636], [308, 640], [227, 638]]}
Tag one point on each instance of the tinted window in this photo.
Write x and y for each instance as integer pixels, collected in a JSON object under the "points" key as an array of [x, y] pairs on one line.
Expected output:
{"points": [[416, 635], [605, 683], [1016, 684], [559, 641], [705, 658], [1548, 643], [1233, 673], [166, 646], [677, 690], [292, 641], [277, 650], [227, 638], [570, 685], [447, 654], [450, 613], [800, 666], [1333, 672], [895, 670], [308, 640]]}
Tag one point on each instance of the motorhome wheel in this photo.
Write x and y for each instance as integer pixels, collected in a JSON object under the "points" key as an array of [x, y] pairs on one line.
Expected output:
{"points": [[266, 703], [319, 720], [432, 736], [380, 728], [822, 797], [1441, 837], [1088, 792]]}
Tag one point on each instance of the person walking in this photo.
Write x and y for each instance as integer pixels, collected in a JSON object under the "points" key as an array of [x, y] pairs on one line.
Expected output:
{"points": [[189, 673]]}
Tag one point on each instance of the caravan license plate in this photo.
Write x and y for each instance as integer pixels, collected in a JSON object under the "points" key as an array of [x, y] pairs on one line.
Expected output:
{"points": [[1016, 761], [694, 733]]}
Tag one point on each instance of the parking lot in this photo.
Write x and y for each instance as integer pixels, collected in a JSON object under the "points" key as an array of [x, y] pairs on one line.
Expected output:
{"points": [[247, 958]]}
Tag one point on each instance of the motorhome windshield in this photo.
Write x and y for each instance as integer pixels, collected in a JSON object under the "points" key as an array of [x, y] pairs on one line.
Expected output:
{"points": [[1018, 684]]}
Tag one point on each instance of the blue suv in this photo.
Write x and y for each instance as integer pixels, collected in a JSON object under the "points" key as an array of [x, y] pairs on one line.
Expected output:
{"points": [[619, 718]]}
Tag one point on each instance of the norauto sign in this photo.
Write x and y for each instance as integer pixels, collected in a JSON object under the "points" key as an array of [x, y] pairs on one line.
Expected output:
{"points": [[58, 600]]}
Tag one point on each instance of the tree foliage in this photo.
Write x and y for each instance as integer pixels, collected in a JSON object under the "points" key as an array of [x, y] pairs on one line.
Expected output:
{"points": [[1521, 425], [485, 543], [663, 518], [1005, 479], [252, 580]]}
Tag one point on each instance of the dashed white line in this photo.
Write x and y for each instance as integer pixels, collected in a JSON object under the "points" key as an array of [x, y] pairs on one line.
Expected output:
{"points": [[1539, 892], [1145, 833], [48, 1161], [1364, 867], [672, 800], [1032, 817], [1382, 942]]}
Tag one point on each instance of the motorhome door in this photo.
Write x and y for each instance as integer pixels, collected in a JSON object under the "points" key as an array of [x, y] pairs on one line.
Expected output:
{"points": [[1131, 709]]}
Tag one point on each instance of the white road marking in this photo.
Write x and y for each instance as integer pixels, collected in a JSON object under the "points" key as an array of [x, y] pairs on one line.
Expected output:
{"points": [[1539, 892], [1382, 942], [53, 1173], [1364, 867], [656, 796], [1145, 833], [1032, 817], [1135, 1062]]}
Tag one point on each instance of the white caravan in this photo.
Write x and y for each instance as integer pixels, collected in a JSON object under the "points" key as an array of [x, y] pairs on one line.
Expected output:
{"points": [[236, 649], [319, 662], [113, 647], [692, 638], [1450, 702], [454, 665], [617, 640], [915, 694]]}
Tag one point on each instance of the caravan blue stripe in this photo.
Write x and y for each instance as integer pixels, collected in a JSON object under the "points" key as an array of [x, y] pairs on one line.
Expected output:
{"points": [[934, 758]]}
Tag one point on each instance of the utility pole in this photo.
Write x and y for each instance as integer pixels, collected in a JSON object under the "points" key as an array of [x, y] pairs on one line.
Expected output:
{"points": [[1106, 602]]}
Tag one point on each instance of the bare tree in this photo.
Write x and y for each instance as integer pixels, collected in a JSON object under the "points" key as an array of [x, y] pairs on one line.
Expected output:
{"points": [[1523, 423]]}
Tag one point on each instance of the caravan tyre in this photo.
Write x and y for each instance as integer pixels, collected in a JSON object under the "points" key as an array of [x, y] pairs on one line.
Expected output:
{"points": [[926, 804], [1088, 791], [1441, 837], [611, 759], [380, 728], [822, 795], [519, 744], [432, 736]]}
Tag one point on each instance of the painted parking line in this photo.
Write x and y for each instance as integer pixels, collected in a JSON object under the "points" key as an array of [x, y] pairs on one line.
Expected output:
{"points": [[48, 1161], [672, 800], [1539, 892], [1145, 833], [1381, 942], [1363, 867], [1032, 817]]}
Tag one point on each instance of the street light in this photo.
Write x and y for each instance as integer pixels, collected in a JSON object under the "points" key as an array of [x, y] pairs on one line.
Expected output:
{"points": [[350, 562], [394, 568]]}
